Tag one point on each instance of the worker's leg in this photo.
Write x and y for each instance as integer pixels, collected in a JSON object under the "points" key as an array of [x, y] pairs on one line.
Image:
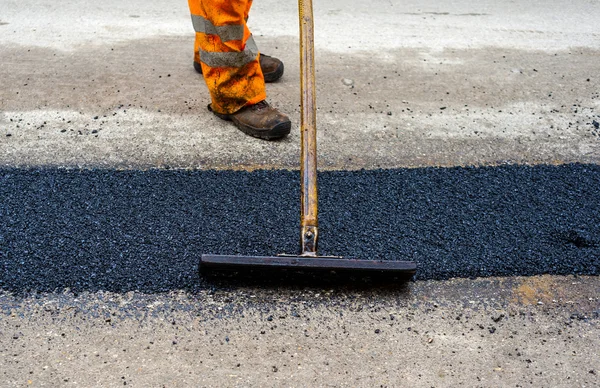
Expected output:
{"points": [[231, 67], [271, 67], [247, 11], [228, 54], [195, 10]]}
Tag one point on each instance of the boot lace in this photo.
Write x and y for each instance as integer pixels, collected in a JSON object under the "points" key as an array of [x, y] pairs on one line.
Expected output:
{"points": [[261, 105]]}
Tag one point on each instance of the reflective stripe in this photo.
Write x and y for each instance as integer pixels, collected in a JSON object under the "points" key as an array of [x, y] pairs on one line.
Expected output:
{"points": [[231, 59], [226, 33]]}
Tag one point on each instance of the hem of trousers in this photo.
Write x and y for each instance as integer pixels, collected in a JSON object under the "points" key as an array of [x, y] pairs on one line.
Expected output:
{"points": [[254, 100]]}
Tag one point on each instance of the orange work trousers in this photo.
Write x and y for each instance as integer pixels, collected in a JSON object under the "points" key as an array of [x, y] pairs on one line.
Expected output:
{"points": [[226, 50]]}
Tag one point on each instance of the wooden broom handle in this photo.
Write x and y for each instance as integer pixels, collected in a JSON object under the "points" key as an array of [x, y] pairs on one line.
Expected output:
{"points": [[308, 132]]}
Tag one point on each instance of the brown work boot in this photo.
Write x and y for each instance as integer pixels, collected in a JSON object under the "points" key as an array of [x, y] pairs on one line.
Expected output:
{"points": [[259, 120], [272, 68]]}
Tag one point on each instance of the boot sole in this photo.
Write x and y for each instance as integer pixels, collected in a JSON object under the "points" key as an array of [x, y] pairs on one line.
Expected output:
{"points": [[277, 132], [269, 77]]}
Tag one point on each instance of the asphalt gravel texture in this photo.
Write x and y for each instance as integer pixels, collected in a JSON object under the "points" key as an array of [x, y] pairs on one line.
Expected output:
{"points": [[119, 231]]}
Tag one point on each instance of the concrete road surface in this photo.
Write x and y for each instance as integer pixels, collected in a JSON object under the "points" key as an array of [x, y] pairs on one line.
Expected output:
{"points": [[408, 84], [399, 84]]}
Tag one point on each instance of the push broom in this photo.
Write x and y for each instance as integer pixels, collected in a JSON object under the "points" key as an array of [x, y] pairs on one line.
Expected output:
{"points": [[308, 261]]}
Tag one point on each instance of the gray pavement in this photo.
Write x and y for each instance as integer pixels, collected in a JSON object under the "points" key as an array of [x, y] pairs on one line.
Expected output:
{"points": [[428, 84], [518, 332], [400, 84]]}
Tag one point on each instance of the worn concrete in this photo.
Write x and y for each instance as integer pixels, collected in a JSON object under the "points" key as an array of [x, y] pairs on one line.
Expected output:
{"points": [[342, 26], [483, 92], [519, 332]]}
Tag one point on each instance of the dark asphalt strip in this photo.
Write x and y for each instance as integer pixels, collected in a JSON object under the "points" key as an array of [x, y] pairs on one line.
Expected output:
{"points": [[145, 230]]}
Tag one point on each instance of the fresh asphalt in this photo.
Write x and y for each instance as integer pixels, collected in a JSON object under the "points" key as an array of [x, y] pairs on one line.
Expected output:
{"points": [[91, 230]]}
